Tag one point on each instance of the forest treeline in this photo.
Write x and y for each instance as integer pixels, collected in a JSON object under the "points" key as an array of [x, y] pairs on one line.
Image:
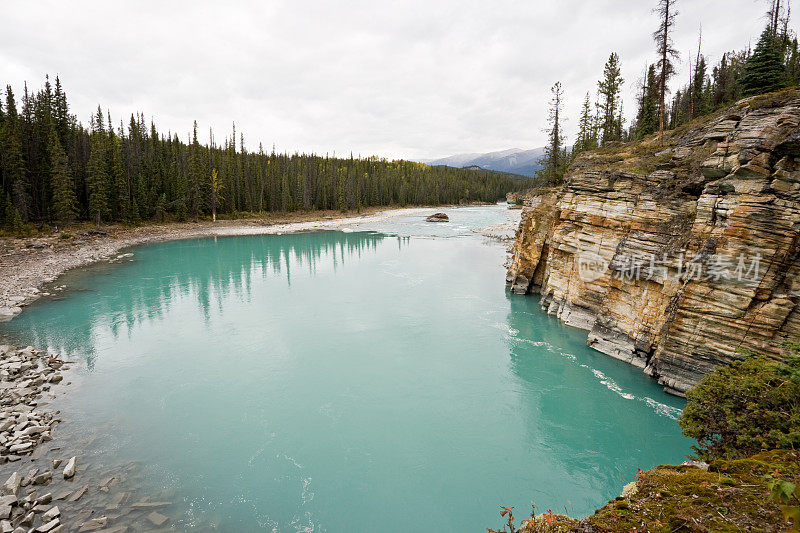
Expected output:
{"points": [[53, 169], [771, 65]]}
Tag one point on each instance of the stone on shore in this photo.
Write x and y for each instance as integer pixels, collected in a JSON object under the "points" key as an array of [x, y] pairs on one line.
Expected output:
{"points": [[44, 478], [156, 518], [69, 469], [11, 486], [49, 526], [51, 514], [94, 524]]}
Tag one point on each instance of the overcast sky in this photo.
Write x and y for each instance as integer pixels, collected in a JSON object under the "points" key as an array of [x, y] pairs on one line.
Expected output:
{"points": [[413, 79]]}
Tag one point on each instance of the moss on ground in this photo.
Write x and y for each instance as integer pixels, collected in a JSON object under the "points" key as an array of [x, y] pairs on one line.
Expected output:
{"points": [[730, 496]]}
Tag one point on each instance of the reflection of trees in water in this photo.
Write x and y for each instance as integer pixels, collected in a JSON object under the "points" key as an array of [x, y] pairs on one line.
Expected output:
{"points": [[207, 269]]}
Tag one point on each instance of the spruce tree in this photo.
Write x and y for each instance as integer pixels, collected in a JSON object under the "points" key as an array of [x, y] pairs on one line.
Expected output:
{"points": [[215, 195], [609, 89], [65, 203], [587, 137], [12, 217], [554, 159], [764, 70], [195, 174], [97, 173], [648, 115], [119, 179], [15, 177]]}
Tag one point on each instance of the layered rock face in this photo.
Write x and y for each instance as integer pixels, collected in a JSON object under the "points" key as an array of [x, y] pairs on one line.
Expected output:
{"points": [[677, 255]]}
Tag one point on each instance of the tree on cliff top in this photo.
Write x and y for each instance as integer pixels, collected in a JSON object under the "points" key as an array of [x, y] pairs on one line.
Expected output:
{"points": [[666, 55], [764, 70], [609, 89], [647, 118], [587, 129], [555, 157]]}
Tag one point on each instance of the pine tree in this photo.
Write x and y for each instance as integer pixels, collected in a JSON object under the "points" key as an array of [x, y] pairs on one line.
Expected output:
{"points": [[587, 136], [696, 93], [764, 70], [12, 217], [195, 174], [666, 54], [65, 203], [119, 179], [609, 89], [792, 63], [648, 115], [15, 177], [214, 196], [97, 179], [554, 159]]}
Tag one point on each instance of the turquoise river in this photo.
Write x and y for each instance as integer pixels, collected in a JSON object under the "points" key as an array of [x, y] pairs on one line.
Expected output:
{"points": [[378, 378]]}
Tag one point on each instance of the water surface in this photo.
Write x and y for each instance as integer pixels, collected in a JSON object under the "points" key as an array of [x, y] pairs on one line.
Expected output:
{"points": [[333, 381]]}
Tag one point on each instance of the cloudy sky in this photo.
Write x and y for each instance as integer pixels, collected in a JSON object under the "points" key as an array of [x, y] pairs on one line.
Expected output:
{"points": [[413, 79]]}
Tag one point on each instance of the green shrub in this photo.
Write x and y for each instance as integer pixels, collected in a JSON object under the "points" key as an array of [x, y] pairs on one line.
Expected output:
{"points": [[741, 409]]}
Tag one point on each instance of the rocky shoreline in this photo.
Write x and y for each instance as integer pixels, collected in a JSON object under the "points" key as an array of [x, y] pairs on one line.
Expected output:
{"points": [[25, 376]]}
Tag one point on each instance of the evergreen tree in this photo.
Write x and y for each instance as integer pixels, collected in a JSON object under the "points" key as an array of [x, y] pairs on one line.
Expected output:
{"points": [[97, 179], [12, 216], [195, 174], [215, 191], [15, 179], [666, 55], [764, 70], [587, 133], [554, 160], [65, 202], [647, 122], [792, 63], [119, 179], [609, 89]]}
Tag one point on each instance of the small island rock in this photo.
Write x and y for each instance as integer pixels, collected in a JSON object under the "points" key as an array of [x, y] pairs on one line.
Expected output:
{"points": [[438, 217]]}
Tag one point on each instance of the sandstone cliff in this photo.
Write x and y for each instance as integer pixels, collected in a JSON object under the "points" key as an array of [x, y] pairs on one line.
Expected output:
{"points": [[676, 255]]}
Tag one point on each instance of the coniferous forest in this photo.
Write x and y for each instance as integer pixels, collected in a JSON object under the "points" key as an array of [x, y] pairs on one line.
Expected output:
{"points": [[772, 64], [53, 169]]}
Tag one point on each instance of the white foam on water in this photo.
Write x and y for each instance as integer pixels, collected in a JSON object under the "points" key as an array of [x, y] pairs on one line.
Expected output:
{"points": [[612, 385], [306, 495], [662, 409]]}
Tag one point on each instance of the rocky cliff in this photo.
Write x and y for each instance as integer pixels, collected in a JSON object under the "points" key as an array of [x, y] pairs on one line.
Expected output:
{"points": [[680, 254]]}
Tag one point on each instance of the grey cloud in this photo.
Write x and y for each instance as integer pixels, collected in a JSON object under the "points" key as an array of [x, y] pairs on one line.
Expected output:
{"points": [[400, 79]]}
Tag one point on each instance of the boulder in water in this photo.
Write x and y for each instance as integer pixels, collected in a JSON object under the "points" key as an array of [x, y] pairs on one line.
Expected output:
{"points": [[438, 217]]}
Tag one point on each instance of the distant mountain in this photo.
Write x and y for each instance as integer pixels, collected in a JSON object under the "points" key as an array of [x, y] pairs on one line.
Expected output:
{"points": [[514, 161]]}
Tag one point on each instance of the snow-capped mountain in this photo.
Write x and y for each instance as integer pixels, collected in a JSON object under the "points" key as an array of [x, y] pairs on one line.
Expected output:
{"points": [[514, 160]]}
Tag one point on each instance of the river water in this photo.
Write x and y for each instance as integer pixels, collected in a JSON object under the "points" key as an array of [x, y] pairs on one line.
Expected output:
{"points": [[374, 378]]}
